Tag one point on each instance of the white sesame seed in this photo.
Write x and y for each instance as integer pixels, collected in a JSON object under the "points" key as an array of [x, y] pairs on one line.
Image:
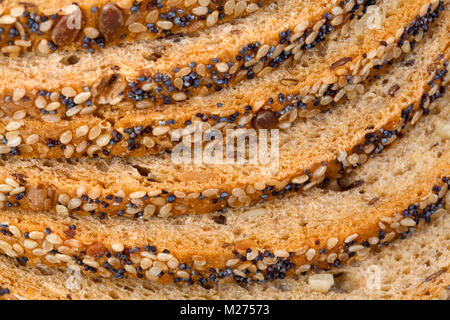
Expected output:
{"points": [[229, 7], [137, 194], [200, 11], [212, 19], [68, 92], [103, 140], [89, 207], [337, 11], [43, 46], [311, 37], [158, 131], [34, 138], [222, 67], [51, 118], [355, 248], [47, 245], [5, 245], [173, 263], [152, 16], [210, 193], [39, 252], [82, 97], [54, 239], [30, 244], [300, 179], [239, 273], [351, 238], [281, 253], [94, 133], [164, 256], [18, 93], [408, 222], [165, 25], [252, 7], [91, 262], [73, 111], [17, 191], [19, 115], [15, 231], [117, 247], [137, 27], [321, 282], [146, 263], [60, 209], [36, 235], [331, 243], [303, 268], [331, 257], [240, 7], [14, 125], [310, 254], [74, 203], [164, 211], [40, 102], [319, 172], [179, 96], [66, 137], [7, 19], [91, 32], [17, 248], [17, 11]]}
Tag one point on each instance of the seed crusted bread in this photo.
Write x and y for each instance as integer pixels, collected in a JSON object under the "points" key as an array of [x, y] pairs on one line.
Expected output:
{"points": [[415, 268], [169, 70], [325, 146], [324, 76], [320, 229], [48, 26]]}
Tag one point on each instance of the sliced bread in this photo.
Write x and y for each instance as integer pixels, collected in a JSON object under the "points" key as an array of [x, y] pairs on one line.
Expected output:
{"points": [[169, 70], [327, 145], [47, 26], [390, 196], [415, 268], [326, 75]]}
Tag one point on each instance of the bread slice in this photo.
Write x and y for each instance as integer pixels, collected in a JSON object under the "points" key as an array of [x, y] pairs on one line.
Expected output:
{"points": [[415, 268], [390, 196], [315, 82], [47, 26], [170, 70], [324, 146]]}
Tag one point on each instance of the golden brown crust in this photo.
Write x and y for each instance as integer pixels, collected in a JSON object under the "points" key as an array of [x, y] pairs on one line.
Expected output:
{"points": [[146, 132], [166, 71], [46, 27], [154, 185], [148, 251]]}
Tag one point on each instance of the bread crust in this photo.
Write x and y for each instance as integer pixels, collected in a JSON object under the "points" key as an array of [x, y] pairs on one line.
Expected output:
{"points": [[420, 283], [41, 27], [129, 132], [163, 72], [123, 186], [180, 250]]}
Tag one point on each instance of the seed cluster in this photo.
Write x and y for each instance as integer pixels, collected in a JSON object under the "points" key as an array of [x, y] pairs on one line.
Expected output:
{"points": [[184, 81], [243, 266], [16, 192], [103, 139], [24, 28]]}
